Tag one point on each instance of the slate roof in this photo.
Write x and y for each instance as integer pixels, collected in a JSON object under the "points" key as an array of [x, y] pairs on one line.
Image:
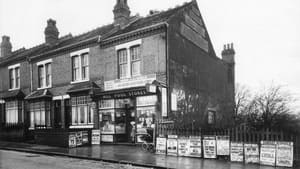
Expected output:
{"points": [[12, 94], [106, 31], [85, 86], [39, 94]]}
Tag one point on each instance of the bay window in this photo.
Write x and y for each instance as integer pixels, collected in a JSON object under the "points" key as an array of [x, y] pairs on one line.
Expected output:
{"points": [[12, 109], [40, 113], [82, 113]]}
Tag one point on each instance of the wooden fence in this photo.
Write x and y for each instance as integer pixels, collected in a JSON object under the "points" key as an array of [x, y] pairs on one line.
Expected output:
{"points": [[241, 133]]}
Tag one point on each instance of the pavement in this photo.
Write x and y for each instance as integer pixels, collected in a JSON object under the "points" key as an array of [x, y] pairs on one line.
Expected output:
{"points": [[133, 155]]}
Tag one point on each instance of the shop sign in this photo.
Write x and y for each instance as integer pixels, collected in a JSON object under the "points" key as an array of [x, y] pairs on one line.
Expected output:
{"points": [[164, 108], [121, 95], [72, 140], [172, 147], [128, 83], [223, 145], [268, 153], [251, 153], [79, 138], [161, 145], [107, 138], [195, 147], [284, 154], [237, 152], [96, 137], [209, 147], [183, 146], [85, 137]]}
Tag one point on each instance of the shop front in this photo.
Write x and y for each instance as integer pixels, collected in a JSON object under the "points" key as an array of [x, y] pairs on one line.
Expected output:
{"points": [[128, 115]]}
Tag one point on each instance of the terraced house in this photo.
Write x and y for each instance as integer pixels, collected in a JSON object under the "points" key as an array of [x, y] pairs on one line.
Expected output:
{"points": [[127, 78]]}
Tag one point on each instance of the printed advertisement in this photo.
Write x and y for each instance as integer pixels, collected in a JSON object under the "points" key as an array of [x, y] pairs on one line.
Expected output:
{"points": [[251, 153], [236, 152], [161, 145], [209, 147], [285, 154], [223, 145], [195, 147], [72, 140], [107, 138], [267, 153], [96, 137], [79, 138], [183, 146], [172, 148]]}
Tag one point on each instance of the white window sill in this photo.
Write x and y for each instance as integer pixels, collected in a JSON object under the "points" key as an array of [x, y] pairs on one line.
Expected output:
{"points": [[13, 89], [42, 88], [87, 126], [80, 81]]}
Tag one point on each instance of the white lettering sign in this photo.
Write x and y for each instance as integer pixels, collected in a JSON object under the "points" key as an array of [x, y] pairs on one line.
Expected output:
{"points": [[268, 153], [285, 153]]}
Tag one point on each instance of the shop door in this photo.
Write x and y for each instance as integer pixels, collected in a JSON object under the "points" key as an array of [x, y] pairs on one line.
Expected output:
{"points": [[57, 114], [130, 125]]}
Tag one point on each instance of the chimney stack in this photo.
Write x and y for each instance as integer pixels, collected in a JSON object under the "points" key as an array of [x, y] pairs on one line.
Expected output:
{"points": [[51, 32], [5, 46], [228, 53], [121, 13]]}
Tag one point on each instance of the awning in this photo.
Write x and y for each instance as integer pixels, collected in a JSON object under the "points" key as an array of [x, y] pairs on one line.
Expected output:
{"points": [[15, 94], [83, 87], [39, 94]]}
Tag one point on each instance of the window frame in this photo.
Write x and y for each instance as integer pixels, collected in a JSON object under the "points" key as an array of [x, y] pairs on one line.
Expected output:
{"points": [[78, 104], [12, 75], [82, 68], [43, 66]]}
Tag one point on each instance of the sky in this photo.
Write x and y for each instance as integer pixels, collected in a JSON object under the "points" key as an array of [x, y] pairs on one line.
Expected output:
{"points": [[265, 33]]}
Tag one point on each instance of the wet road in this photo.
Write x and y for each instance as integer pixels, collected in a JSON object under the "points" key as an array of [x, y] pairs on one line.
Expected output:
{"points": [[18, 160]]}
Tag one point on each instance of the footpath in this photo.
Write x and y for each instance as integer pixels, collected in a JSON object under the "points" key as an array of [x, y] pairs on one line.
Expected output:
{"points": [[132, 155]]}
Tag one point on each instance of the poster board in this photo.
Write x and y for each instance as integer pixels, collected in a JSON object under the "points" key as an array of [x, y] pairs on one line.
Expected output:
{"points": [[161, 145], [79, 138], [284, 154], [236, 152], [183, 146], [268, 153], [172, 145], [223, 145], [96, 137], [107, 138], [209, 147], [72, 140], [195, 147], [251, 153], [85, 137]]}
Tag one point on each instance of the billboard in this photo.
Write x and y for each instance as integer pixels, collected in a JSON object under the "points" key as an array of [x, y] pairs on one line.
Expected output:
{"points": [[285, 154], [195, 148], [96, 137], [209, 147], [236, 151], [172, 146], [161, 145], [268, 153], [251, 153], [183, 146], [223, 144]]}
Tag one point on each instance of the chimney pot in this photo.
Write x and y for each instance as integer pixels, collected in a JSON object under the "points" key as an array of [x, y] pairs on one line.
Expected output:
{"points": [[5, 46], [51, 32], [121, 13]]}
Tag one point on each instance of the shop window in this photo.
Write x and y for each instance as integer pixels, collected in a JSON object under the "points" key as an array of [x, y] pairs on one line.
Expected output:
{"points": [[14, 77], [80, 67], [107, 121], [12, 111], [40, 114], [82, 113]]}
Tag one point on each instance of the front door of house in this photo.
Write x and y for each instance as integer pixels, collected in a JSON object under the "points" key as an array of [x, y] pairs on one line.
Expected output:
{"points": [[57, 114]]}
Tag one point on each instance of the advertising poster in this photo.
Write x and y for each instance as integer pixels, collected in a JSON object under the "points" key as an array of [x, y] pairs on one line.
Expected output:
{"points": [[183, 146], [79, 138], [107, 138], [209, 147], [251, 153], [72, 140], [172, 148], [267, 153], [161, 145], [236, 152], [223, 144], [96, 137], [195, 148], [85, 137], [284, 154]]}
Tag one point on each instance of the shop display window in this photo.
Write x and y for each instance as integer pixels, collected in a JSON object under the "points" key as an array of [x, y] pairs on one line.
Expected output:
{"points": [[107, 121], [145, 122], [120, 122], [146, 100]]}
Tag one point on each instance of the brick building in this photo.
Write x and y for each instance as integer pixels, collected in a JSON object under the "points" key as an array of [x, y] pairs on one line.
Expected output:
{"points": [[126, 78]]}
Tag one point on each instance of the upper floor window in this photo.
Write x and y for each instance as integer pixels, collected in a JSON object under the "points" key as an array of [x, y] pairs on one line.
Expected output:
{"points": [[14, 77], [44, 74], [80, 66], [129, 59]]}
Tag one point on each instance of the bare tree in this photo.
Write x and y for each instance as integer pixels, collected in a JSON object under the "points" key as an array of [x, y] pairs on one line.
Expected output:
{"points": [[242, 98]]}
